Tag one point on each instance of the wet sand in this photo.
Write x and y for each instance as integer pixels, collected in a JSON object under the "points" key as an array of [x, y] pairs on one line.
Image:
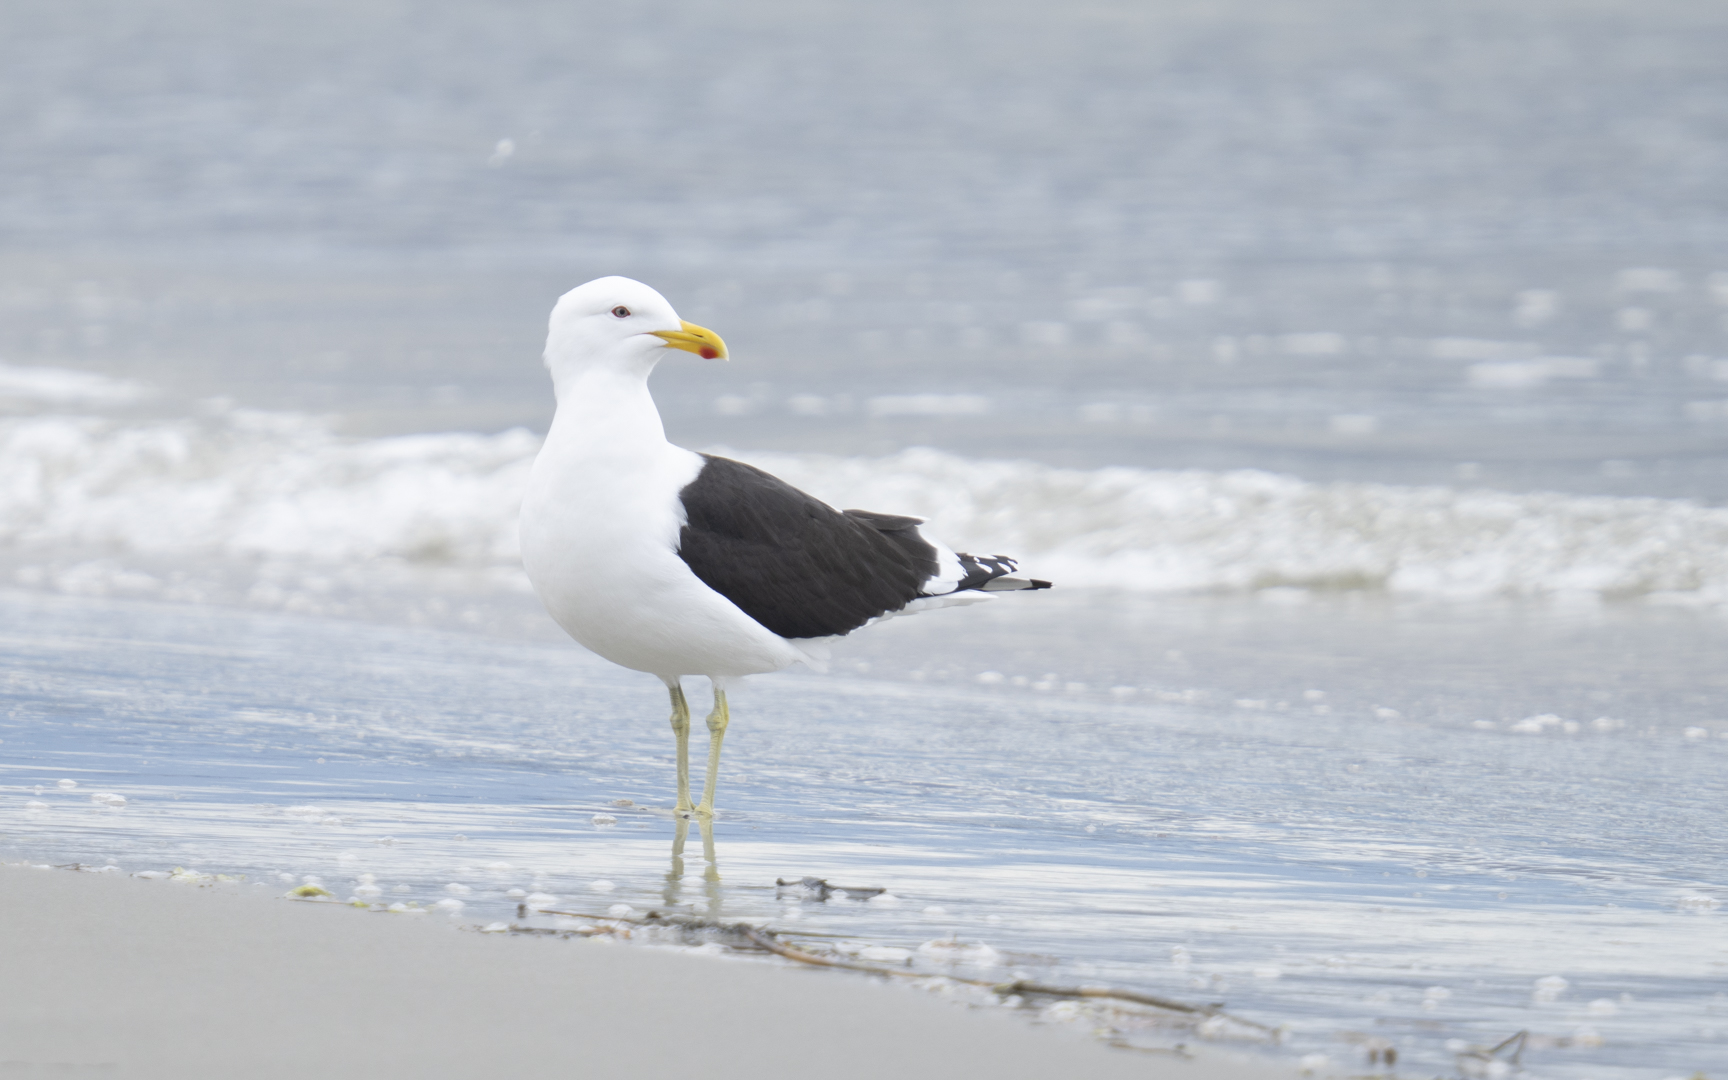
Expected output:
{"points": [[114, 976]]}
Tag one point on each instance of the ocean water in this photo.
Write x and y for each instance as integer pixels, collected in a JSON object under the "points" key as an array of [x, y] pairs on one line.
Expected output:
{"points": [[275, 504], [1359, 372], [1338, 240]]}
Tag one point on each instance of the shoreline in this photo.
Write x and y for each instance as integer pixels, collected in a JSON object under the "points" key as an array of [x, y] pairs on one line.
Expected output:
{"points": [[122, 976], [1168, 848]]}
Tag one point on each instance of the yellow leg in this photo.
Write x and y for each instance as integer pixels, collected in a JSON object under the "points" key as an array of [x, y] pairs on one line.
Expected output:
{"points": [[681, 730], [717, 721]]}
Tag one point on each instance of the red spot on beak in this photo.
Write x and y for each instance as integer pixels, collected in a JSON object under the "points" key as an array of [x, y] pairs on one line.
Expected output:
{"points": [[708, 353]]}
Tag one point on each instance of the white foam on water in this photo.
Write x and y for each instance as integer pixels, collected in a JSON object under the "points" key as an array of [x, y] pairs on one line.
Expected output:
{"points": [[252, 485], [24, 386], [87, 501], [1166, 530]]}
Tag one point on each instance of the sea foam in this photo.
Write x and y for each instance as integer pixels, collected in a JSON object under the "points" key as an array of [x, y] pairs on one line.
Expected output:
{"points": [[256, 488], [1159, 530]]}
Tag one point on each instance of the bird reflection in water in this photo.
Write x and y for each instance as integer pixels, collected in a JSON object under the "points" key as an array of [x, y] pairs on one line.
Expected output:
{"points": [[710, 874]]}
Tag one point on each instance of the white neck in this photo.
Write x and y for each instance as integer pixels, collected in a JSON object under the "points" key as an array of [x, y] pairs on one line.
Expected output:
{"points": [[603, 412]]}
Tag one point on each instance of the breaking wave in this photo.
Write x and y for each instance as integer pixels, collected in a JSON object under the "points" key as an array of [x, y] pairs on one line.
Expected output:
{"points": [[1161, 530], [85, 500]]}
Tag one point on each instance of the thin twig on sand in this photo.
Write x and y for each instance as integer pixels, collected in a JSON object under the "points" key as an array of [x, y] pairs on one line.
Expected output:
{"points": [[1019, 986], [769, 941]]}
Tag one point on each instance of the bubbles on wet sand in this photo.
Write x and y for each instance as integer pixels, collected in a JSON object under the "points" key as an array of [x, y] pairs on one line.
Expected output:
{"points": [[885, 954], [952, 950], [1536, 725], [1549, 988]]}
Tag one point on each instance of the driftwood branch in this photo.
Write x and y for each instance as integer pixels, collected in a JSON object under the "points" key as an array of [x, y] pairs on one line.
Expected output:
{"points": [[769, 941], [1021, 986]]}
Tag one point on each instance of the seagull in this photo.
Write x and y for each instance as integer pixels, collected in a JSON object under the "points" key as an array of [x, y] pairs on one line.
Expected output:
{"points": [[676, 563]]}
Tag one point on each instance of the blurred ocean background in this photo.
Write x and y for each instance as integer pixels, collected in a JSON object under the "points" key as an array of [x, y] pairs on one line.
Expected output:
{"points": [[1358, 370], [1401, 255]]}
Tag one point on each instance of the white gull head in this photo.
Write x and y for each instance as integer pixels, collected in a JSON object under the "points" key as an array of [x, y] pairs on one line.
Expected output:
{"points": [[620, 327]]}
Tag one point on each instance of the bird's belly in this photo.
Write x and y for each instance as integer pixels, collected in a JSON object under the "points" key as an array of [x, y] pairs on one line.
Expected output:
{"points": [[639, 605]]}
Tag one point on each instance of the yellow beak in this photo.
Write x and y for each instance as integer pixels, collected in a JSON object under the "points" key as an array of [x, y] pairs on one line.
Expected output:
{"points": [[697, 339]]}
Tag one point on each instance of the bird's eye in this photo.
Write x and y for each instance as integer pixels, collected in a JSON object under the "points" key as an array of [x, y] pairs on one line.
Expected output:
{"points": [[621, 311]]}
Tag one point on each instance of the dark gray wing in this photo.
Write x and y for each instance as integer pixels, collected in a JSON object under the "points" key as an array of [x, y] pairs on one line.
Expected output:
{"points": [[791, 562]]}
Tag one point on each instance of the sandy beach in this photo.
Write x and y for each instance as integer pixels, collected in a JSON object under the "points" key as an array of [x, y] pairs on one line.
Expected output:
{"points": [[115, 976]]}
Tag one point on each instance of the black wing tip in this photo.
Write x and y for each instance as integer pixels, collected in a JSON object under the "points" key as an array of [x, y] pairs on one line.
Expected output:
{"points": [[983, 573]]}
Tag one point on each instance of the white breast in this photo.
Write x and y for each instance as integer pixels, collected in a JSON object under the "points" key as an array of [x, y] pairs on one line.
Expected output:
{"points": [[600, 523]]}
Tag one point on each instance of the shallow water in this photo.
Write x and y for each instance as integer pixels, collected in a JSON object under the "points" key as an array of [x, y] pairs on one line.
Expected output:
{"points": [[1350, 871]]}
